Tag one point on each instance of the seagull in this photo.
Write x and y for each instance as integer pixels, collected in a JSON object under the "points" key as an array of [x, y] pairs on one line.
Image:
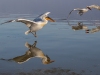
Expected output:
{"points": [[94, 6], [34, 25], [80, 11], [32, 52]]}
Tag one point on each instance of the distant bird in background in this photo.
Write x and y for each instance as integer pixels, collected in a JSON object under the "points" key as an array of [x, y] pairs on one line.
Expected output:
{"points": [[80, 11], [94, 6], [35, 25]]}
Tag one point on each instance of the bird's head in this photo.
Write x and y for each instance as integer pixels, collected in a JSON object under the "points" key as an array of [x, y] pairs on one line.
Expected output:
{"points": [[45, 15], [49, 19], [47, 60], [89, 8]]}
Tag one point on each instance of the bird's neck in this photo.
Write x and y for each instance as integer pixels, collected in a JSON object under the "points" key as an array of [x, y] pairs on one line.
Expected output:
{"points": [[44, 60], [44, 22], [87, 9]]}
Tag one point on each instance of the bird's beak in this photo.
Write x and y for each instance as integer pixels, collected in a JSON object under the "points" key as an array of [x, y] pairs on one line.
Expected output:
{"points": [[52, 61], [50, 19]]}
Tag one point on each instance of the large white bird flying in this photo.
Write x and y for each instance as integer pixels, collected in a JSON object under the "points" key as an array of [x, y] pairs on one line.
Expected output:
{"points": [[35, 25]]}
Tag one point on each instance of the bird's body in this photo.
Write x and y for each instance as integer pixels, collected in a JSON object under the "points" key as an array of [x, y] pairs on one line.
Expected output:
{"points": [[34, 25], [80, 11]]}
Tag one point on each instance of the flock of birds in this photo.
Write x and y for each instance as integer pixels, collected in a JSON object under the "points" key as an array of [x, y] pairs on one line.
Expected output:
{"points": [[39, 22]]}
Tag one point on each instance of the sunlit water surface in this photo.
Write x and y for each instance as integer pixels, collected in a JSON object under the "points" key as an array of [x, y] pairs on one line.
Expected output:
{"points": [[73, 52]]}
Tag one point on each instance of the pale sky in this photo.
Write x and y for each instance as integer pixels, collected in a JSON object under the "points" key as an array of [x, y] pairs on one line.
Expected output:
{"points": [[58, 8]]}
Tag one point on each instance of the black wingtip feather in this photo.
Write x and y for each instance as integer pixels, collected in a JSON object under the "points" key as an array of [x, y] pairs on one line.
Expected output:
{"points": [[6, 22]]}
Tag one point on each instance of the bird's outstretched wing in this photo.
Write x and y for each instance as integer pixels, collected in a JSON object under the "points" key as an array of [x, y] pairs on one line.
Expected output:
{"points": [[25, 21], [95, 7], [22, 59], [69, 14], [77, 9], [7, 22]]}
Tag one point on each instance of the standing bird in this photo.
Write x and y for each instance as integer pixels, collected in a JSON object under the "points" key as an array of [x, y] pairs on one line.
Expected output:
{"points": [[94, 6], [35, 25], [80, 11]]}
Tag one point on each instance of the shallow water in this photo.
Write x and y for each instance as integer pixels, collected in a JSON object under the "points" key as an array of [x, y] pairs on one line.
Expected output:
{"points": [[74, 52]]}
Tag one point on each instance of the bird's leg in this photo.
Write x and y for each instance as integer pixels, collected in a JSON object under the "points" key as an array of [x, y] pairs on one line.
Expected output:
{"points": [[34, 43], [81, 14], [34, 34]]}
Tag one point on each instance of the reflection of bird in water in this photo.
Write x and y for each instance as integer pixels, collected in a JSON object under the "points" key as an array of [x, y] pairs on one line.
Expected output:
{"points": [[80, 11], [93, 30], [32, 52], [79, 26], [94, 6], [34, 25]]}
